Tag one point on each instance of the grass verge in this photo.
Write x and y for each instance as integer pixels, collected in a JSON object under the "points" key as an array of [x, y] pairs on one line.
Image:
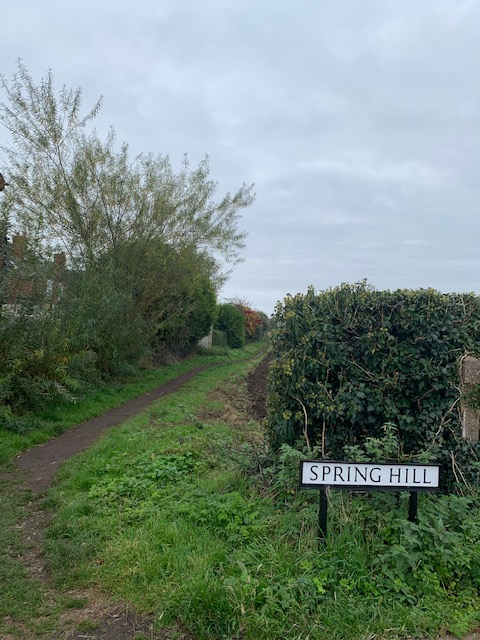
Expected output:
{"points": [[189, 518], [60, 416], [29, 608]]}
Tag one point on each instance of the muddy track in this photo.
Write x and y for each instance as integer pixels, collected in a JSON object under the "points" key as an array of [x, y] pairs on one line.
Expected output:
{"points": [[40, 464]]}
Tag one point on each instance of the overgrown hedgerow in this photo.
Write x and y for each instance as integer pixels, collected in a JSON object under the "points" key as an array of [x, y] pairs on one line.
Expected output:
{"points": [[350, 359]]}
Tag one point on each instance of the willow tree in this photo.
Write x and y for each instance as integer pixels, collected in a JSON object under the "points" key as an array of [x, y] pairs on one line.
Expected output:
{"points": [[73, 188]]}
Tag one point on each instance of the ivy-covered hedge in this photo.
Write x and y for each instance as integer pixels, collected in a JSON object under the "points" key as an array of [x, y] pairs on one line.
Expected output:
{"points": [[231, 321], [350, 359]]}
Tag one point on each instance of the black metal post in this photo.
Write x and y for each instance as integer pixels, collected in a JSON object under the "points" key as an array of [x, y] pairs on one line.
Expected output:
{"points": [[412, 506], [322, 515]]}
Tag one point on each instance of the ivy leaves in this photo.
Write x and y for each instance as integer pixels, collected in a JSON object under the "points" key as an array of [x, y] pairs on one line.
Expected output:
{"points": [[358, 358]]}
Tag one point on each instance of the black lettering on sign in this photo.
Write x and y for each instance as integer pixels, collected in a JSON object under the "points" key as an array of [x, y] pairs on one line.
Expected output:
{"points": [[359, 473], [325, 471], [337, 472], [415, 481], [378, 477], [397, 475], [314, 475]]}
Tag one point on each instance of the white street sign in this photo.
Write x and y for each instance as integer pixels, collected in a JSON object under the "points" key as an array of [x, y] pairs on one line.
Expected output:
{"points": [[362, 475]]}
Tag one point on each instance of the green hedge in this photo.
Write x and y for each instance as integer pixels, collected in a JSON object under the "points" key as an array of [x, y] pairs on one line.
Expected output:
{"points": [[351, 359], [231, 322], [219, 339]]}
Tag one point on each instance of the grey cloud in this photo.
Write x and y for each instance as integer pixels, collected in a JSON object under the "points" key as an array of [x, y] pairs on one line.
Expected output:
{"points": [[358, 121]]}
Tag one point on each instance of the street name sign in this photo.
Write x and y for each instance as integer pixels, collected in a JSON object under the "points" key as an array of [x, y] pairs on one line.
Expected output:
{"points": [[367, 476], [315, 474]]}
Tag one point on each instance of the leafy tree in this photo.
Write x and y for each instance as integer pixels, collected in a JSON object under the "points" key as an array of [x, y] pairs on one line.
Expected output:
{"points": [[72, 187], [170, 289], [204, 310], [256, 322], [261, 327], [231, 322], [107, 333], [145, 244]]}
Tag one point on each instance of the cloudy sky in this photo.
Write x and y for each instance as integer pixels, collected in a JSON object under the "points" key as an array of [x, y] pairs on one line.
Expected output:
{"points": [[358, 121]]}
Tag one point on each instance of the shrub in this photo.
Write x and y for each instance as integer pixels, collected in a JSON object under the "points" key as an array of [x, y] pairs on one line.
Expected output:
{"points": [[219, 339], [261, 327], [35, 360], [231, 321], [252, 322], [103, 321], [351, 359], [256, 322]]}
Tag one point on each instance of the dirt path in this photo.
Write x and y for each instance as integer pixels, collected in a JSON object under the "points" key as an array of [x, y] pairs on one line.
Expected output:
{"points": [[35, 470], [40, 464]]}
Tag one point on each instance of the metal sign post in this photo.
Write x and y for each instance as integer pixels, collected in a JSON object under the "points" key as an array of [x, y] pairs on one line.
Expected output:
{"points": [[322, 514], [412, 506]]}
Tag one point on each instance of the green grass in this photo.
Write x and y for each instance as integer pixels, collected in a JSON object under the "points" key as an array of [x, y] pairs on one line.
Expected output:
{"points": [[26, 609], [169, 512], [118, 529], [59, 416], [162, 514]]}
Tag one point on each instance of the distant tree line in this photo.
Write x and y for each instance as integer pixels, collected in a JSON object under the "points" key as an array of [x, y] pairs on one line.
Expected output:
{"points": [[237, 323], [107, 262]]}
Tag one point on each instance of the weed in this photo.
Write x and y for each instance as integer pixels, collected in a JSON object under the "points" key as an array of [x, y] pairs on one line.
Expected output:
{"points": [[84, 626]]}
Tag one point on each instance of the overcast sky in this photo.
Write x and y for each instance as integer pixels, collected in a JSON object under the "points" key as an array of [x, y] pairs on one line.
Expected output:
{"points": [[358, 121]]}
